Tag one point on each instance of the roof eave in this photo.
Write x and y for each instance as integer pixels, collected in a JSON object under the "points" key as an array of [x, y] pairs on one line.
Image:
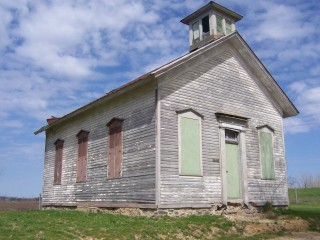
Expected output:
{"points": [[207, 7], [116, 92]]}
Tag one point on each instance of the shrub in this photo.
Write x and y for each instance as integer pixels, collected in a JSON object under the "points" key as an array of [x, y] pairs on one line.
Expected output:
{"points": [[267, 207]]}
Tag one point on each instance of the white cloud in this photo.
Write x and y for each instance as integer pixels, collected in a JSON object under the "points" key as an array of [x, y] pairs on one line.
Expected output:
{"points": [[11, 124], [17, 149], [66, 53], [4, 21], [308, 101], [67, 38], [296, 125], [281, 22]]}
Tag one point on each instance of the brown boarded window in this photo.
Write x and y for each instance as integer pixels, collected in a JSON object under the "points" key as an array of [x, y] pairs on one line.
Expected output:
{"points": [[82, 156], [115, 148], [58, 161]]}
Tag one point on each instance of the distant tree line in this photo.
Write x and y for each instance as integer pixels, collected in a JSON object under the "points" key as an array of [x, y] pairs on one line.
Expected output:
{"points": [[305, 180], [5, 198]]}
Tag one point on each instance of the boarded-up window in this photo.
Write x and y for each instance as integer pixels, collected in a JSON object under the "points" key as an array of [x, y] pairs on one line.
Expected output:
{"points": [[266, 155], [219, 24], [115, 148], [190, 144], [58, 161], [195, 31], [82, 156], [228, 26]]}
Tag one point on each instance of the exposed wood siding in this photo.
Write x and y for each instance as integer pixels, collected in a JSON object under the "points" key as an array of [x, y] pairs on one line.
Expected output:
{"points": [[217, 84], [137, 184]]}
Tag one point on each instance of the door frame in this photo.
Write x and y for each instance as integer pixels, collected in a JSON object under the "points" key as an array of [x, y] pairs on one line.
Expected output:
{"points": [[237, 124]]}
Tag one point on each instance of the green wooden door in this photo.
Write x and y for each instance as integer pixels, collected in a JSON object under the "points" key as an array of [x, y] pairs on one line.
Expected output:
{"points": [[233, 171]]}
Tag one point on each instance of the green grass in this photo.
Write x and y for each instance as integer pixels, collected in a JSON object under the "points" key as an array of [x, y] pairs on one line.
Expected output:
{"points": [[308, 206], [55, 224], [305, 195], [307, 211]]}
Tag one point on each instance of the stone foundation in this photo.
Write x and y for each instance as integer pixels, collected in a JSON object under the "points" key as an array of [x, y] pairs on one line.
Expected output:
{"points": [[218, 209]]}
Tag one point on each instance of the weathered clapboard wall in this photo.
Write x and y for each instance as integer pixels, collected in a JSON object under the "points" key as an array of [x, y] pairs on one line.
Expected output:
{"points": [[217, 82], [137, 184]]}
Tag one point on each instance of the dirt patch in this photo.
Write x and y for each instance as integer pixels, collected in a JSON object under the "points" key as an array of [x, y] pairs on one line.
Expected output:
{"points": [[267, 223], [18, 205], [300, 236], [268, 226]]}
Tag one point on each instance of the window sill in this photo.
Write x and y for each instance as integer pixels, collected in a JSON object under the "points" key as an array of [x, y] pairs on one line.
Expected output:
{"points": [[114, 178], [81, 181], [190, 176]]}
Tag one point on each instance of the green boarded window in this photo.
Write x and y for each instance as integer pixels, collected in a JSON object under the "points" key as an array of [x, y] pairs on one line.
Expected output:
{"points": [[219, 24], [228, 26], [195, 30], [190, 153], [266, 151]]}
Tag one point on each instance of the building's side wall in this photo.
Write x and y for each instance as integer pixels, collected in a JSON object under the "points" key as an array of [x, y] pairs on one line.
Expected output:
{"points": [[217, 84], [137, 184]]}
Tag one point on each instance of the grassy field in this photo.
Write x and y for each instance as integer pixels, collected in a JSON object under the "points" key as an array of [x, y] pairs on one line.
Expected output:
{"points": [[305, 195], [54, 224]]}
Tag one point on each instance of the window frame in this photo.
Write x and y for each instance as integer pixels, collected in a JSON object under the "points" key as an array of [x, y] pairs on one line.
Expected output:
{"points": [[112, 124], [83, 138], [191, 114], [59, 144], [269, 130], [197, 22], [224, 20], [208, 32], [231, 28], [222, 24]]}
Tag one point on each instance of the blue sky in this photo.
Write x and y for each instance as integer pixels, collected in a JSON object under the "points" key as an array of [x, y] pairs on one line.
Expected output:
{"points": [[59, 55]]}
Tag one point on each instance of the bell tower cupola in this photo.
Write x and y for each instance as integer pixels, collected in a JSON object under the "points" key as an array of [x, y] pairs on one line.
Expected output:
{"points": [[209, 23]]}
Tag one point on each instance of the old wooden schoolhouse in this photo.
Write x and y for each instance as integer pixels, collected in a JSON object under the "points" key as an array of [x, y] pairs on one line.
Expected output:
{"points": [[203, 130]]}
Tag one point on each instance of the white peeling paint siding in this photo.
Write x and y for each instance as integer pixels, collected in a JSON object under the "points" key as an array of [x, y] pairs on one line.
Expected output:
{"points": [[137, 184], [217, 83]]}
